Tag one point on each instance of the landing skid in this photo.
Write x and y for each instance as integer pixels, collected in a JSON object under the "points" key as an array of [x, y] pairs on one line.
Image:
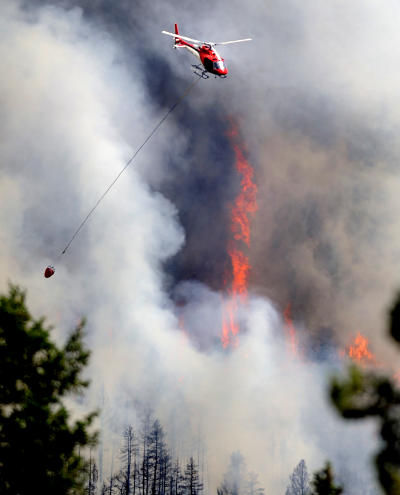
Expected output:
{"points": [[204, 74], [201, 72]]}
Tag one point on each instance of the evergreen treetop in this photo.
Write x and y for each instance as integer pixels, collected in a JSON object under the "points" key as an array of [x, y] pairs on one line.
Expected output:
{"points": [[39, 444]]}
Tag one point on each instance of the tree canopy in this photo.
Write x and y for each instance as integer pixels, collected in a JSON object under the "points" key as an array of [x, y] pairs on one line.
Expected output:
{"points": [[323, 482], [39, 444], [299, 480]]}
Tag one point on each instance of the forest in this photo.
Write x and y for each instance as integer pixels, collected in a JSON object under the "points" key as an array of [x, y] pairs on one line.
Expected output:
{"points": [[42, 448]]}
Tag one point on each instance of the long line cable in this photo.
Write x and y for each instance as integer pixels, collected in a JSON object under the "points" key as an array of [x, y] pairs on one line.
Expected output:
{"points": [[181, 98]]}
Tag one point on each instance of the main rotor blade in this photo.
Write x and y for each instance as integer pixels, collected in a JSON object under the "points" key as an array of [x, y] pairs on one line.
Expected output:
{"points": [[229, 42], [211, 43], [182, 37]]}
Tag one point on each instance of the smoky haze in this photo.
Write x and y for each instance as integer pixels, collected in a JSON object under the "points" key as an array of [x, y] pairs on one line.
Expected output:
{"points": [[315, 97]]}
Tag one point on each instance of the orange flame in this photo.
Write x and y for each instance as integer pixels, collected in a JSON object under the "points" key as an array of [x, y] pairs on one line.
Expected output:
{"points": [[359, 351], [230, 329], [240, 272], [291, 330], [244, 204]]}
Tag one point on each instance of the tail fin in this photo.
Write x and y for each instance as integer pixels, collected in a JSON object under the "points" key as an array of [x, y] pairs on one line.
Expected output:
{"points": [[178, 42]]}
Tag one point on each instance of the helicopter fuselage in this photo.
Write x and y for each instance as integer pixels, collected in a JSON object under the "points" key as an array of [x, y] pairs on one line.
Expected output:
{"points": [[209, 57]]}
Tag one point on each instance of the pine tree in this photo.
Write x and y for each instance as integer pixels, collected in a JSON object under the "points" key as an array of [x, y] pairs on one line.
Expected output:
{"points": [[176, 479], [156, 449], [299, 480], [93, 476], [165, 470], [191, 481], [127, 453], [146, 458], [323, 483], [38, 442]]}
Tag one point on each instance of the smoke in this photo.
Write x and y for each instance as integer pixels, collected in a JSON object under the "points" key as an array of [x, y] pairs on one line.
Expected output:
{"points": [[315, 98], [334, 260], [316, 95]]}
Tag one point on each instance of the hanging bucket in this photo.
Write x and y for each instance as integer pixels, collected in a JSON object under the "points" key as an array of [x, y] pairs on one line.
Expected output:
{"points": [[49, 272]]}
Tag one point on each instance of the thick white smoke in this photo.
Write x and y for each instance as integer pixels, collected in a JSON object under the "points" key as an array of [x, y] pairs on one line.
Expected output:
{"points": [[72, 115]]}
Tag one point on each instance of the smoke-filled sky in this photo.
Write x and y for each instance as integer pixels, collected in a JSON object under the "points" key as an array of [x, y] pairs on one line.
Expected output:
{"points": [[315, 99]]}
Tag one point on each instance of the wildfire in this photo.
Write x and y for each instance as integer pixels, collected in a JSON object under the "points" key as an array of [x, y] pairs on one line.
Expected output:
{"points": [[230, 328], [359, 351], [244, 204]]}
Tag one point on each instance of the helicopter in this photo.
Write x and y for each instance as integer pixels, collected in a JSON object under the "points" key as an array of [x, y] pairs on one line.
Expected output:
{"points": [[211, 61]]}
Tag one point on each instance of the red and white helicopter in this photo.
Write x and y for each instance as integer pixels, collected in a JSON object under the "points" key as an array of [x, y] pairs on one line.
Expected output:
{"points": [[204, 50]]}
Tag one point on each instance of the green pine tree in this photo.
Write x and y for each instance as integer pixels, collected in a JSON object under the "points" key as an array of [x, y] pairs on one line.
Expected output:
{"points": [[39, 444]]}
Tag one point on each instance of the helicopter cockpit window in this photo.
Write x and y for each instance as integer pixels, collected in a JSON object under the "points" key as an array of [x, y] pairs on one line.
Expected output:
{"points": [[219, 65], [208, 64]]}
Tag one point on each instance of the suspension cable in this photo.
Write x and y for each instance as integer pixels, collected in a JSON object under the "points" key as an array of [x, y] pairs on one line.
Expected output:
{"points": [[181, 98]]}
